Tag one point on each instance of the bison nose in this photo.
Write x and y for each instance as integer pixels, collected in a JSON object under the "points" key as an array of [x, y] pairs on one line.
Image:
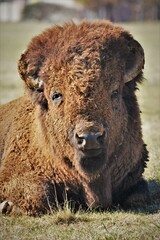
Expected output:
{"points": [[90, 141]]}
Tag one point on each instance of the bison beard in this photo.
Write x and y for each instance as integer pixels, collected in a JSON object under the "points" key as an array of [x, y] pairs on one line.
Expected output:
{"points": [[77, 130], [91, 164]]}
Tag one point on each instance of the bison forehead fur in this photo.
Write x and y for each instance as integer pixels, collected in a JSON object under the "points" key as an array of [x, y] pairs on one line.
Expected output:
{"points": [[78, 129]]}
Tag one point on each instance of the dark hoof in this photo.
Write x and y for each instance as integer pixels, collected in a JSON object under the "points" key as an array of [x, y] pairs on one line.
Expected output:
{"points": [[8, 208]]}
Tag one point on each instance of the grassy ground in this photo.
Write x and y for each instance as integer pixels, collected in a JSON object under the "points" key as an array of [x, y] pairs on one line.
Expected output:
{"points": [[64, 225]]}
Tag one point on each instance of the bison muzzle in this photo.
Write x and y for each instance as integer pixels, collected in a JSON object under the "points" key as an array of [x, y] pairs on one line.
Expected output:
{"points": [[90, 147]]}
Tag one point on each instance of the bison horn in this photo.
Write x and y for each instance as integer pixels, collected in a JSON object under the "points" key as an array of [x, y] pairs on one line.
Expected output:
{"points": [[135, 61]]}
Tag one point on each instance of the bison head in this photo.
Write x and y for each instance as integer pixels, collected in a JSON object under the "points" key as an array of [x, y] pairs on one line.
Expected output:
{"points": [[83, 79]]}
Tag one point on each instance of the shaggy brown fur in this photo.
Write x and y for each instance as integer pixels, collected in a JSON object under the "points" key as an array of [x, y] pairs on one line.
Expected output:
{"points": [[80, 81]]}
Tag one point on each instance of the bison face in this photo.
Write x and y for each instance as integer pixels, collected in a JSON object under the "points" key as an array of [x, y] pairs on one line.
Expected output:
{"points": [[83, 78]]}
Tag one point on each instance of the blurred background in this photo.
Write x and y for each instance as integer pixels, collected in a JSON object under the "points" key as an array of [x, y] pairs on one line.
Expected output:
{"points": [[62, 10]]}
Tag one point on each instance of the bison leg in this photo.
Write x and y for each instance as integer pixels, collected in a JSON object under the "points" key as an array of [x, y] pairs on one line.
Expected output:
{"points": [[8, 208], [137, 196], [98, 192], [26, 192]]}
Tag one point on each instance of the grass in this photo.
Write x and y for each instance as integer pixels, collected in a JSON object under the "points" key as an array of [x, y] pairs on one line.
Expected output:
{"points": [[84, 226], [64, 224]]}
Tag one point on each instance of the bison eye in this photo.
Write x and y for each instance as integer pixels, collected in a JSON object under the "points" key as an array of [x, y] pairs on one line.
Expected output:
{"points": [[115, 99], [56, 97], [115, 94]]}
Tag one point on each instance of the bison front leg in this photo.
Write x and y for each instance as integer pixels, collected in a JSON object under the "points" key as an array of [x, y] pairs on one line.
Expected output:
{"points": [[8, 208], [99, 192], [23, 194]]}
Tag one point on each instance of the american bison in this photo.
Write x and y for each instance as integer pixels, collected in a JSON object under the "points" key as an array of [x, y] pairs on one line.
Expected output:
{"points": [[76, 133]]}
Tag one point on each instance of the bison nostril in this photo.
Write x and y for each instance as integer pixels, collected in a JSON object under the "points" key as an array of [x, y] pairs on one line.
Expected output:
{"points": [[101, 138], [80, 140]]}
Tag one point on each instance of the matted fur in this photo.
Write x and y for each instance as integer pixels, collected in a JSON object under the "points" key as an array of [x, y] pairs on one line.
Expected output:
{"points": [[40, 164]]}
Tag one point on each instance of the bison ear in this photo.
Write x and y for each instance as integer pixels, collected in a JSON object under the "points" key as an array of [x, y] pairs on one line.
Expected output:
{"points": [[134, 62], [29, 72]]}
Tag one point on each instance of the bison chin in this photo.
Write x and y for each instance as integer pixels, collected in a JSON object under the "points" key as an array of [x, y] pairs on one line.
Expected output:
{"points": [[91, 163]]}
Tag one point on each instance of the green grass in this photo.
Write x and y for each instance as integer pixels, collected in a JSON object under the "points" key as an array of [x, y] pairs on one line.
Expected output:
{"points": [[64, 224], [97, 226]]}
